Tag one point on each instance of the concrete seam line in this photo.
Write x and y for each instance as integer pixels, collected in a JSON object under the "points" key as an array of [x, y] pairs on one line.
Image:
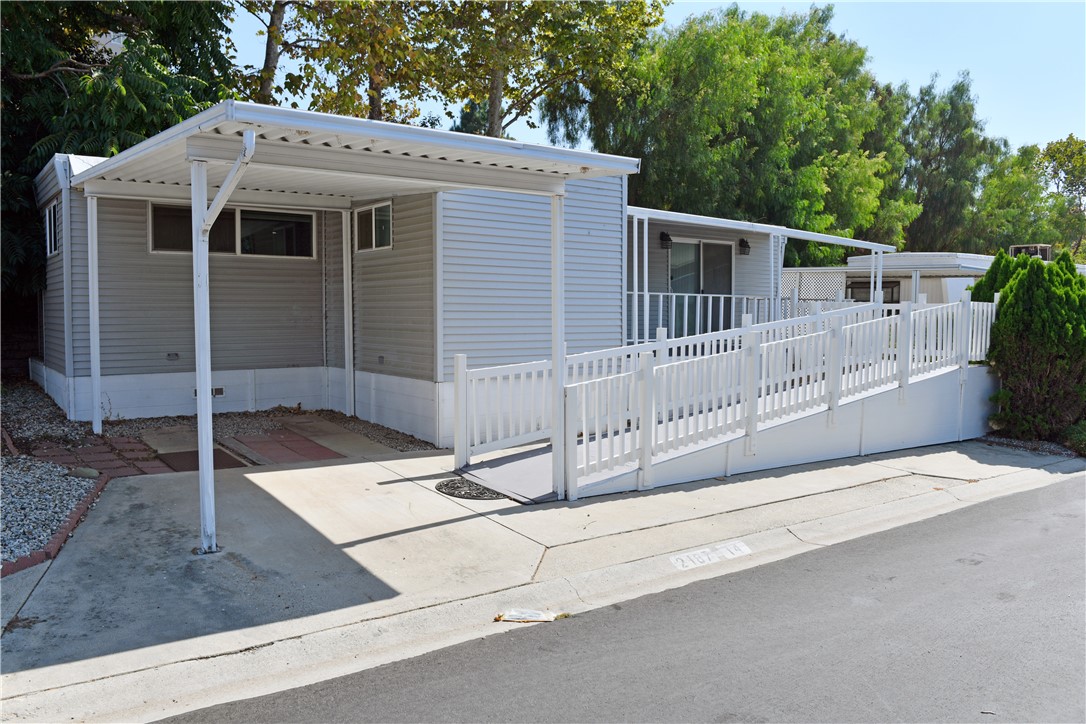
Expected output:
{"points": [[737, 510], [465, 507], [808, 542]]}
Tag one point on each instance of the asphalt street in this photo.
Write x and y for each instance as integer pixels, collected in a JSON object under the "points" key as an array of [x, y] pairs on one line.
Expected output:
{"points": [[975, 615]]}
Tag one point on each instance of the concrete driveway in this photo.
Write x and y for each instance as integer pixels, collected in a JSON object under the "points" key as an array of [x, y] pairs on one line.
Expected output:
{"points": [[310, 550]]}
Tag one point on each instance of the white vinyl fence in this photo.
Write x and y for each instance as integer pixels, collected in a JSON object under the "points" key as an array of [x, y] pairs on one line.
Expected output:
{"points": [[625, 406]]}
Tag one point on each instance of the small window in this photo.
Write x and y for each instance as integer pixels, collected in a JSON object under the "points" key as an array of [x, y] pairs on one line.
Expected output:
{"points": [[52, 229], [268, 233], [373, 227], [171, 230], [860, 291]]}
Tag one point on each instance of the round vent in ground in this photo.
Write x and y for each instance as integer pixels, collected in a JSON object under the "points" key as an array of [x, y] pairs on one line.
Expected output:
{"points": [[460, 488]]}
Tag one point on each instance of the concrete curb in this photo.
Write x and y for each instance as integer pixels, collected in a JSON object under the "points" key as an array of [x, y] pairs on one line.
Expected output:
{"points": [[53, 546]]}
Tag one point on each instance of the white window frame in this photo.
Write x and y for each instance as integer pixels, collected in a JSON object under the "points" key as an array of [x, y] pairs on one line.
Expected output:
{"points": [[237, 210], [373, 226], [53, 245]]}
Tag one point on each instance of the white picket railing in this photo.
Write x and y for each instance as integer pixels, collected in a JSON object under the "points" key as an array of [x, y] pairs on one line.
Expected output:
{"points": [[626, 404], [696, 399], [683, 315], [981, 333], [935, 338], [793, 375], [604, 415], [869, 355], [501, 407], [761, 380]]}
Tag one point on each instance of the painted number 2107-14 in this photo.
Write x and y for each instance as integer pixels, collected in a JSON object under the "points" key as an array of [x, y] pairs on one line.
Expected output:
{"points": [[705, 556]]}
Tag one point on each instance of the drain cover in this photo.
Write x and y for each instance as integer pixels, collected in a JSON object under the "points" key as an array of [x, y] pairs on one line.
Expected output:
{"points": [[460, 488]]}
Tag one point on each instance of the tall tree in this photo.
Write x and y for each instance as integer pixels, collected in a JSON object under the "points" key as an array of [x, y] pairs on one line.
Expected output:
{"points": [[743, 116], [93, 78], [513, 54], [1064, 165], [948, 153], [1013, 205]]}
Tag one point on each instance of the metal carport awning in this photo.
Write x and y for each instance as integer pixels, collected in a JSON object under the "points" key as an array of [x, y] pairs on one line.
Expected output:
{"points": [[260, 154]]}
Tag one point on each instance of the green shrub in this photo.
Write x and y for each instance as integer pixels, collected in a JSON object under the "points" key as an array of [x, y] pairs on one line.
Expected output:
{"points": [[999, 273], [1039, 349], [1075, 437]]}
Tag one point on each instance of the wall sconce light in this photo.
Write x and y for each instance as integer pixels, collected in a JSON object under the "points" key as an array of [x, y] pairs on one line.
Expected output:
{"points": [[744, 247], [665, 240]]}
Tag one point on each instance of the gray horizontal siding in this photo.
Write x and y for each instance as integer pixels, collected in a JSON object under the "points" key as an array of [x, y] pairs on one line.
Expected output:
{"points": [[496, 278], [47, 183], [331, 253], [53, 307], [394, 296], [594, 211], [497, 273], [265, 313], [80, 301]]}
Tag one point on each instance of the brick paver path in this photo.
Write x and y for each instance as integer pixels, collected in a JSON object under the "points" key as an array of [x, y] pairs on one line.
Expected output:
{"points": [[285, 446], [118, 456]]}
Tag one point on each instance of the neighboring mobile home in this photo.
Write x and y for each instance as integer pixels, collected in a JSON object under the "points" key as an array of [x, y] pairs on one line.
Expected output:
{"points": [[380, 249]]}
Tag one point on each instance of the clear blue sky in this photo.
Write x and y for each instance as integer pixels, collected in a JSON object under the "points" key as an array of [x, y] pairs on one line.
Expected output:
{"points": [[1027, 60]]}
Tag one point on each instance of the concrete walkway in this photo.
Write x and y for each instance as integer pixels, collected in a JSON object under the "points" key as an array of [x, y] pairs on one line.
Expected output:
{"points": [[329, 568]]}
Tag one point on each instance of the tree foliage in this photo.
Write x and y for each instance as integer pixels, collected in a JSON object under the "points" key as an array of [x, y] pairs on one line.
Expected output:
{"points": [[750, 117], [948, 153], [513, 54], [1038, 348], [1064, 165], [94, 78]]}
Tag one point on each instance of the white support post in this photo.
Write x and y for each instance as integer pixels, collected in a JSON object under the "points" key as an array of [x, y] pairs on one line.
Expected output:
{"points": [[635, 282], [752, 373], [92, 310], [461, 443], [558, 347], [202, 308], [647, 416], [878, 278], [661, 344], [203, 217], [747, 320], [921, 299], [568, 411], [905, 347], [645, 274], [965, 337], [915, 296], [348, 314], [871, 278], [794, 311], [835, 365]]}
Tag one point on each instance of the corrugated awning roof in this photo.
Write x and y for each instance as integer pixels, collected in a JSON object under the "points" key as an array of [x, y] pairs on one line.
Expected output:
{"points": [[304, 153]]}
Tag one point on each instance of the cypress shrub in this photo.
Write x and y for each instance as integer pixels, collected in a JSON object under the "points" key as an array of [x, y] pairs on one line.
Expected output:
{"points": [[1039, 348]]}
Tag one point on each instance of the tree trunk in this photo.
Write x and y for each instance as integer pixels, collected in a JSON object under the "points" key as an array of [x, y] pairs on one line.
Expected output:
{"points": [[272, 48], [497, 73], [377, 93], [494, 99]]}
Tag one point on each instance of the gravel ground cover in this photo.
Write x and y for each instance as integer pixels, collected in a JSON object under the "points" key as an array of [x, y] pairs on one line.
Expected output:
{"points": [[38, 496]]}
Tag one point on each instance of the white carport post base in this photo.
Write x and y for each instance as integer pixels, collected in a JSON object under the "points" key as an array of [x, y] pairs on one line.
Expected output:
{"points": [[203, 216]]}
